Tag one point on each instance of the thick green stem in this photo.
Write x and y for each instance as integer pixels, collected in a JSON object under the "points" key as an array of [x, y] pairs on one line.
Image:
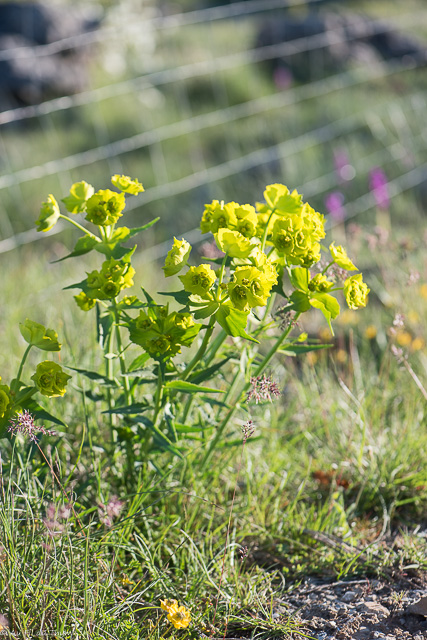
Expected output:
{"points": [[260, 369], [265, 234], [109, 373], [200, 353], [159, 393], [126, 385], [15, 386]]}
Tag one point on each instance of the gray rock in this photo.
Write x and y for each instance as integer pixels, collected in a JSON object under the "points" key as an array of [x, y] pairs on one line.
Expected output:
{"points": [[349, 596], [374, 609]]}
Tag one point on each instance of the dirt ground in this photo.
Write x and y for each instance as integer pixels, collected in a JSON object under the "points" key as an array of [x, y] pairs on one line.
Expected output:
{"points": [[359, 609]]}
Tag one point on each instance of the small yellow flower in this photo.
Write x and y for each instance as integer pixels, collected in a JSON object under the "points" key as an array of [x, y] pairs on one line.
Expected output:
{"points": [[341, 356], [169, 605], [423, 291], [403, 338], [180, 618], [418, 344], [371, 332]]}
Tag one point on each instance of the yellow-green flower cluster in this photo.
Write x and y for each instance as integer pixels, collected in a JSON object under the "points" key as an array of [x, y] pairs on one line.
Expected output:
{"points": [[106, 284], [356, 292], [199, 280], [177, 257], [50, 379], [105, 207], [5, 400], [251, 286], [162, 334]]}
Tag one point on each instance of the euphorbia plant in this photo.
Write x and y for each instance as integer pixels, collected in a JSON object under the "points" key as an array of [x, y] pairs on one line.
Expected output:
{"points": [[49, 378], [272, 249]]}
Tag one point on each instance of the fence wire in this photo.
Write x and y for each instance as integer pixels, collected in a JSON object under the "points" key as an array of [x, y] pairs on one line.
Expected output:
{"points": [[226, 113]]}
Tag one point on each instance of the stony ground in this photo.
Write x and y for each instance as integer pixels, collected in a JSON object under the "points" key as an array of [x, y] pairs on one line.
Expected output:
{"points": [[359, 609]]}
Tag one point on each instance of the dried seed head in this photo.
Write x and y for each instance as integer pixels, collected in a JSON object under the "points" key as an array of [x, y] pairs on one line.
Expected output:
{"points": [[24, 423]]}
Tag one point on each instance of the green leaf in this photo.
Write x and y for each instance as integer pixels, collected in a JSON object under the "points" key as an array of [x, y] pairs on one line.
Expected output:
{"points": [[82, 246], [78, 285], [136, 230], [299, 278], [233, 321], [182, 297], [296, 349], [138, 363], [207, 311], [189, 387], [93, 375], [300, 301], [330, 303], [182, 428], [130, 409], [327, 304], [38, 412], [205, 374], [237, 442], [128, 255], [149, 299]]}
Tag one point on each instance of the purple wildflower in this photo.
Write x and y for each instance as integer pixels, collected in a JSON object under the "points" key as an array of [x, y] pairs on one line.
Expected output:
{"points": [[378, 185], [334, 204], [24, 423], [343, 168]]}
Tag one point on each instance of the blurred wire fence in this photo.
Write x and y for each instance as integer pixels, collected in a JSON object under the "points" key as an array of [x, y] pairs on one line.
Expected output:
{"points": [[219, 101]]}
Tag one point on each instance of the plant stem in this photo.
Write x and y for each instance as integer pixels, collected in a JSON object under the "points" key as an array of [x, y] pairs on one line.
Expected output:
{"points": [[126, 386], [21, 366], [79, 226], [245, 388], [159, 393], [201, 350]]}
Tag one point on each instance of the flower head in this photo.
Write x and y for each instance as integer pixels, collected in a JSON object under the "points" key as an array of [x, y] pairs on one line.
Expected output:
{"points": [[49, 214], [5, 399], [24, 423], [169, 605], [334, 204], [199, 279], [339, 254], [179, 617], [379, 187], [38, 336], [84, 302], [127, 184], [356, 292], [50, 379], [105, 207], [177, 257]]}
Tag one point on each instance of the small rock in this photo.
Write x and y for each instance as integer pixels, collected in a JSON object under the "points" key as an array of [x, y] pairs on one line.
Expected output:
{"points": [[419, 608], [349, 596], [373, 608]]}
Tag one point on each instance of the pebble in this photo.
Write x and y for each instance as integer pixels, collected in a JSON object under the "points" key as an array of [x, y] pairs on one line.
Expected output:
{"points": [[374, 609], [349, 596]]}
